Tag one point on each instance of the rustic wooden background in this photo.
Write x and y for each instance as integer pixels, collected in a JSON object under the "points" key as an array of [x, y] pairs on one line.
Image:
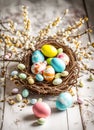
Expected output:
{"points": [[80, 117]]}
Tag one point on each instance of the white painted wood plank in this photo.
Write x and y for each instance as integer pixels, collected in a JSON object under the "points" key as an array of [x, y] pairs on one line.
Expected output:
{"points": [[1, 97]]}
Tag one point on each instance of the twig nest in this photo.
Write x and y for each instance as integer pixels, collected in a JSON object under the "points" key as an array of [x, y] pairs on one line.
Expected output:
{"points": [[50, 69]]}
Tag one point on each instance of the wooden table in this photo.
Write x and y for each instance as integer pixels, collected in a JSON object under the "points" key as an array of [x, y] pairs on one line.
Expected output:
{"points": [[79, 117]]}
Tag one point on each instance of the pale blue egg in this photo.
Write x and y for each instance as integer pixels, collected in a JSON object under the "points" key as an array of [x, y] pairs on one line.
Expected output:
{"points": [[33, 101], [13, 73], [25, 93], [37, 56], [58, 64], [39, 77], [64, 101]]}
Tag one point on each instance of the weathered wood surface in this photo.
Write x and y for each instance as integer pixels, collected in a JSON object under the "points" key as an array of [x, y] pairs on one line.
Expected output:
{"points": [[80, 117]]}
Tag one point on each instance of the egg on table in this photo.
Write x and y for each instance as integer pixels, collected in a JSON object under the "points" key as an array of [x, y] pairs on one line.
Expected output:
{"points": [[37, 56], [49, 50], [41, 109], [38, 67], [64, 101], [58, 64], [49, 73], [63, 56]]}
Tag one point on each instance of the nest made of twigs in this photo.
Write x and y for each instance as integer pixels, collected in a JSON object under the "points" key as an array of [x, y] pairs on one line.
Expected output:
{"points": [[45, 87]]}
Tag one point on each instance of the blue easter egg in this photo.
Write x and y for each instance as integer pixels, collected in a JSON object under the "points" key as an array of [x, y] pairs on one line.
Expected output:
{"points": [[64, 101], [39, 77], [25, 93], [37, 56], [13, 73], [58, 64]]}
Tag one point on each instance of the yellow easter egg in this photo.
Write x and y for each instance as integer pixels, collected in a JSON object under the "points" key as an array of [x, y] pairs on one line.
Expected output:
{"points": [[49, 73], [49, 50]]}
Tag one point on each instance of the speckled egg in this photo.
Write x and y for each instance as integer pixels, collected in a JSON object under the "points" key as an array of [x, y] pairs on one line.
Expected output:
{"points": [[41, 121], [39, 77], [49, 73], [49, 50], [25, 93], [30, 80], [57, 81], [64, 101], [58, 64], [38, 67], [15, 91], [41, 109], [13, 73], [64, 57], [37, 56]]}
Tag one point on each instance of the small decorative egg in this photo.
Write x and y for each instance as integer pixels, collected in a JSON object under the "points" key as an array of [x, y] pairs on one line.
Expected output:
{"points": [[39, 77], [21, 66], [49, 60], [41, 121], [59, 50], [37, 56], [57, 75], [25, 93], [64, 73], [38, 67], [13, 73], [49, 50], [64, 57], [58, 64], [64, 101], [49, 73], [19, 97], [22, 76], [30, 80], [15, 91], [57, 81], [41, 109], [33, 101]]}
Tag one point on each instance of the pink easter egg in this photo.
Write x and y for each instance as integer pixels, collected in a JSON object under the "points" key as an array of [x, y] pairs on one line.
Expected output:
{"points": [[41, 109], [63, 56], [38, 67]]}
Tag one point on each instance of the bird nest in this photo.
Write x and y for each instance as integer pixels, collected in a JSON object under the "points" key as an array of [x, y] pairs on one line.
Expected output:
{"points": [[46, 87]]}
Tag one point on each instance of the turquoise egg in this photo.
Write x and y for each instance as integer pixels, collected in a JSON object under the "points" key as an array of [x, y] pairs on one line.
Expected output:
{"points": [[37, 56], [13, 73], [64, 101], [39, 77], [25, 93], [58, 64]]}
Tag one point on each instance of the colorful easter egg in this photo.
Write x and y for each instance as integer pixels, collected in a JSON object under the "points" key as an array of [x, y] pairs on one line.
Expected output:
{"points": [[49, 50], [19, 97], [33, 101], [38, 67], [57, 81], [64, 57], [39, 77], [64, 101], [15, 91], [59, 50], [13, 73], [41, 121], [21, 66], [37, 56], [41, 109], [49, 60], [30, 80], [22, 76], [58, 64], [49, 73], [25, 93]]}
